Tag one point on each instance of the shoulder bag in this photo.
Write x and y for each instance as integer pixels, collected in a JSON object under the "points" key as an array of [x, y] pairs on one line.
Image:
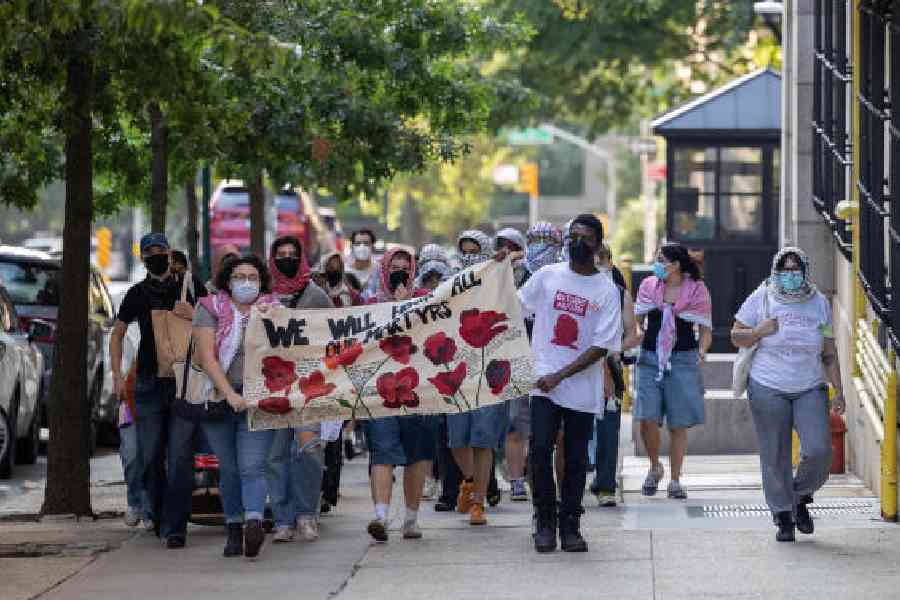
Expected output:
{"points": [[172, 334], [740, 374], [196, 397]]}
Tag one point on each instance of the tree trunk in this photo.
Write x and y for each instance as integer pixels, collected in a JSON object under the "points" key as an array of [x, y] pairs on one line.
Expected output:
{"points": [[159, 170], [192, 233], [257, 215], [68, 464]]}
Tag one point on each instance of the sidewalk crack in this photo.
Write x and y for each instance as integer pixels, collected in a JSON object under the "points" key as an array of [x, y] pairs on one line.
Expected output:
{"points": [[353, 571]]}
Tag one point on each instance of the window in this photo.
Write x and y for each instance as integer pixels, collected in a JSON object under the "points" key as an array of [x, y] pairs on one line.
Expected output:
{"points": [[31, 283], [718, 193], [831, 83]]}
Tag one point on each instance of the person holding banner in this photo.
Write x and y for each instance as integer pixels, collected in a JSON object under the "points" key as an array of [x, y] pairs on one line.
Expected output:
{"points": [[219, 326], [577, 322], [406, 440], [296, 460], [473, 436]]}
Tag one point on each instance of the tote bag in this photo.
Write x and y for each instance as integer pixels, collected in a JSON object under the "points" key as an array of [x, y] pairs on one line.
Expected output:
{"points": [[740, 374], [195, 393], [172, 334]]}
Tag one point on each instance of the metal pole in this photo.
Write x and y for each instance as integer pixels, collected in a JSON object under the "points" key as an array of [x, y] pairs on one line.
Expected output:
{"points": [[889, 446], [204, 213]]}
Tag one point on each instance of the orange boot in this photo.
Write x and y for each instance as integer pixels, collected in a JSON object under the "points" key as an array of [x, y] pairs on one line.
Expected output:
{"points": [[465, 500], [476, 514]]}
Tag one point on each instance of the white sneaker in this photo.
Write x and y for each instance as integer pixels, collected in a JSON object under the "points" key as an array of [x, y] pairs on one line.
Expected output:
{"points": [[430, 490], [606, 500], [411, 530], [308, 529], [283, 535], [133, 516]]}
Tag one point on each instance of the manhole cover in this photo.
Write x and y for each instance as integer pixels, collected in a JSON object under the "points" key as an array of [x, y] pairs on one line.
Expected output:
{"points": [[827, 508]]}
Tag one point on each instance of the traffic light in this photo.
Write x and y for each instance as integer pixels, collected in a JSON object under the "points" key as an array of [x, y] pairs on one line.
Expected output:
{"points": [[104, 247], [528, 179]]}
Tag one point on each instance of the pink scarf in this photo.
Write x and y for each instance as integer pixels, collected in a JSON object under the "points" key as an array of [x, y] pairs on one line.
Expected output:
{"points": [[284, 285], [693, 305], [228, 337]]}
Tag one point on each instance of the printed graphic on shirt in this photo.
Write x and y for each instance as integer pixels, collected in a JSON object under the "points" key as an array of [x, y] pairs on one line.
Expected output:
{"points": [[570, 303], [565, 333]]}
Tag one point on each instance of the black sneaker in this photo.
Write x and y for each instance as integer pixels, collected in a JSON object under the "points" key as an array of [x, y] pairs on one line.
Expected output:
{"points": [[804, 519], [545, 532], [378, 530], [175, 542], [254, 536], [570, 539], [785, 522], [234, 546]]}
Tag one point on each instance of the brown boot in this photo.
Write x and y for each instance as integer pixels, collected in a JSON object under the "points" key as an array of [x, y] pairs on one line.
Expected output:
{"points": [[466, 493], [476, 514]]}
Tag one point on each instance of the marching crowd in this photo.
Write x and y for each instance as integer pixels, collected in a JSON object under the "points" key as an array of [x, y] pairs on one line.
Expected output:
{"points": [[581, 321]]}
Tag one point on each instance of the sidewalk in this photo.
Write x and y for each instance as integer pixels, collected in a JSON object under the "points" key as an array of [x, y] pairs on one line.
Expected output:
{"points": [[718, 544]]}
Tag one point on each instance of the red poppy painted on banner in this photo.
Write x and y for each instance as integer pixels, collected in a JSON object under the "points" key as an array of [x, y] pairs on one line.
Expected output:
{"points": [[479, 328], [279, 373], [397, 389], [498, 373], [440, 349], [449, 382], [399, 347], [276, 405], [314, 386], [346, 357]]}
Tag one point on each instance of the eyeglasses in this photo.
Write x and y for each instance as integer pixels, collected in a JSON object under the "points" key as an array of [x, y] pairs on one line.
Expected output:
{"points": [[240, 277]]}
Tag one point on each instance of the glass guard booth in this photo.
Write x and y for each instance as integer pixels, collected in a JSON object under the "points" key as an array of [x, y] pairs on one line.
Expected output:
{"points": [[722, 187]]}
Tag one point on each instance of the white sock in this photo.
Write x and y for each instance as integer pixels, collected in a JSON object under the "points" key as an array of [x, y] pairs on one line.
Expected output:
{"points": [[411, 515], [381, 511]]}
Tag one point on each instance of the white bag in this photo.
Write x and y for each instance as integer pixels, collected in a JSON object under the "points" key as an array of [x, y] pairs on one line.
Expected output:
{"points": [[192, 384], [740, 374]]}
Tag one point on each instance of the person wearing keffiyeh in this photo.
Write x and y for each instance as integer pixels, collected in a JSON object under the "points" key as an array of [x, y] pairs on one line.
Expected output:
{"points": [[789, 323], [673, 302]]}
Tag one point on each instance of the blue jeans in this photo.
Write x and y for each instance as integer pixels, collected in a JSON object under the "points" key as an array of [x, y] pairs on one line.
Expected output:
{"points": [[133, 466], [184, 437], [307, 471], [606, 454], [243, 455], [153, 396], [278, 476]]}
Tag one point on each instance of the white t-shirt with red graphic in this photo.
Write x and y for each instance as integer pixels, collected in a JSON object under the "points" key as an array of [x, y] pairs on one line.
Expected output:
{"points": [[572, 313]]}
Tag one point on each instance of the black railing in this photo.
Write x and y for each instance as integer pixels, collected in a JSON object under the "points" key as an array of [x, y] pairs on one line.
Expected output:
{"points": [[874, 214], [893, 145], [831, 136]]}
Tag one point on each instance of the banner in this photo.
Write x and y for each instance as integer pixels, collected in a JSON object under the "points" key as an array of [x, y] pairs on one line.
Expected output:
{"points": [[460, 347]]}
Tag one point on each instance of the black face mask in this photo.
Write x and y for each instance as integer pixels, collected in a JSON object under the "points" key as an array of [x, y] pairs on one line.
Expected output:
{"points": [[288, 265], [157, 264], [580, 252], [398, 278], [333, 277]]}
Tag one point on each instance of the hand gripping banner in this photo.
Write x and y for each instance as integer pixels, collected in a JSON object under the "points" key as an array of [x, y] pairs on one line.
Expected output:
{"points": [[460, 347]]}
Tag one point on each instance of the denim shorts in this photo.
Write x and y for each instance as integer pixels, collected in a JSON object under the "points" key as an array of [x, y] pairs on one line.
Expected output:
{"points": [[483, 427], [402, 440], [678, 398], [520, 417]]}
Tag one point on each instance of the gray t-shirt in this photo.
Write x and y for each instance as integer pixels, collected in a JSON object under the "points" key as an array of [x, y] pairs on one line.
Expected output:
{"points": [[312, 297], [235, 373]]}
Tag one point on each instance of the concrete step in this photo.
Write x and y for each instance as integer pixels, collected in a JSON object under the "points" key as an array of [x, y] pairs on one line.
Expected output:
{"points": [[717, 371]]}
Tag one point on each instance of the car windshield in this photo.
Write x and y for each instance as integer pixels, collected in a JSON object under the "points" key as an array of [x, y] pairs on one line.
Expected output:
{"points": [[287, 203], [233, 198], [27, 283]]}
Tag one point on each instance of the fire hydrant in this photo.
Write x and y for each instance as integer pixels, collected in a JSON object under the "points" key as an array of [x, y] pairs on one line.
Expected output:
{"points": [[838, 429]]}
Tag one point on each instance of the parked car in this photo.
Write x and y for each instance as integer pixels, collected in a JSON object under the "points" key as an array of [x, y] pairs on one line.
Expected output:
{"points": [[297, 216], [21, 365], [32, 279]]}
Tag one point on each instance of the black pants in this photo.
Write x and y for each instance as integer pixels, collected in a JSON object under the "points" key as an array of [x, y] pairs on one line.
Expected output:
{"points": [[331, 481], [578, 427], [449, 471]]}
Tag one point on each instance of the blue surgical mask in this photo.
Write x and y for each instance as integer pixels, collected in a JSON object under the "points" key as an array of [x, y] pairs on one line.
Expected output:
{"points": [[791, 281], [245, 292], [659, 270]]}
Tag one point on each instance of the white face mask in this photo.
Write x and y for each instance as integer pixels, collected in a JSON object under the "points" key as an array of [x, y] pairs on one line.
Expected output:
{"points": [[362, 252], [245, 292]]}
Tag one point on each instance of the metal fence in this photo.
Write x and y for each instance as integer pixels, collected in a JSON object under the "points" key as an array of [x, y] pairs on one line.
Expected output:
{"points": [[831, 134]]}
